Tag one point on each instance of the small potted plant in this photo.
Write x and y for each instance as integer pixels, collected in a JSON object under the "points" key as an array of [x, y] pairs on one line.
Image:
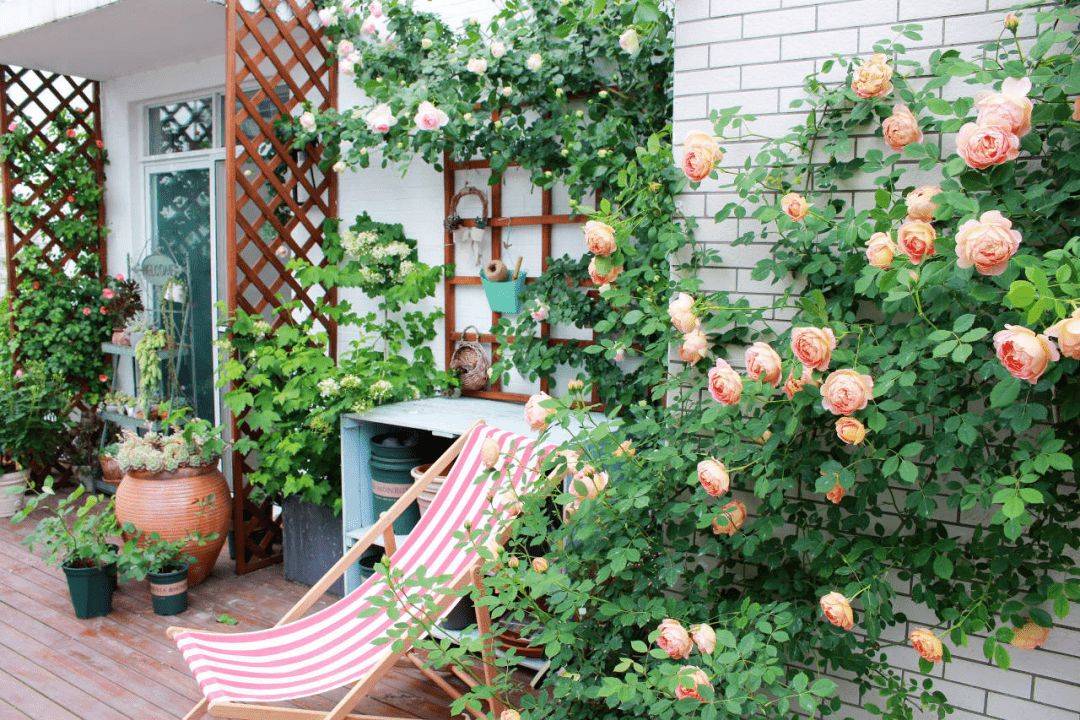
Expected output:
{"points": [[77, 535], [122, 300], [32, 433], [164, 563], [138, 325]]}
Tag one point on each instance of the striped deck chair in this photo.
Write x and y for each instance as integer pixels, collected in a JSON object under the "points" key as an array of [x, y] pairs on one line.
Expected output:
{"points": [[240, 673]]}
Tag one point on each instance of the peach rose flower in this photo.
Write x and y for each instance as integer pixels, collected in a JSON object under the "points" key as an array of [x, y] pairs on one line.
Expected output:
{"points": [[695, 675], [1009, 109], [599, 278], [813, 347], [795, 206], [846, 391], [489, 453], [901, 128], [1030, 636], [681, 311], [1067, 332], [1023, 353], [695, 346], [540, 564], [793, 384], [987, 243], [880, 250], [588, 483], [915, 239], [725, 385], [535, 415], [920, 203], [700, 155], [730, 519], [837, 610], [836, 494], [509, 715], [600, 238], [927, 644], [1076, 109], [984, 145], [713, 476], [762, 363], [850, 430], [674, 640], [704, 637], [873, 78]]}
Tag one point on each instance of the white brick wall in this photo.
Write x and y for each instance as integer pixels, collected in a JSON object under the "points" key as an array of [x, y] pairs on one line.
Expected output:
{"points": [[754, 54]]}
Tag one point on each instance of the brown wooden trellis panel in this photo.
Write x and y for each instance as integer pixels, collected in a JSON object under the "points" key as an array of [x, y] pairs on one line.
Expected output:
{"points": [[277, 197], [496, 221], [34, 98]]}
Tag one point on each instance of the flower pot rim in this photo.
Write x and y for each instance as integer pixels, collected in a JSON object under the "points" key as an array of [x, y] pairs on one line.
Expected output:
{"points": [[169, 576], [79, 570]]}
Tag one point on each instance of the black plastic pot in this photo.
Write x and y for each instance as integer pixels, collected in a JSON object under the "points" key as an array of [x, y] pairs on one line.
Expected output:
{"points": [[168, 591], [368, 560], [91, 590]]}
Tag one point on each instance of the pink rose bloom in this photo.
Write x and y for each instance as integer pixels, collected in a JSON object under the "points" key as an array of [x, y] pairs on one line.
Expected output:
{"points": [[694, 675], [327, 16], [1067, 332], [730, 519], [681, 312], [880, 251], [380, 118], [915, 240], [345, 48], [1023, 353], [793, 385], [901, 128], [307, 121], [987, 243], [984, 145], [535, 415], [920, 203], [695, 346], [725, 385], [540, 312], [1009, 109], [13, 126], [704, 637], [674, 640], [713, 476], [837, 610], [602, 278], [599, 238], [836, 494], [120, 277], [588, 483], [376, 9], [429, 117], [762, 363], [700, 155], [86, 311], [795, 206], [813, 347], [108, 293], [873, 78], [846, 391]]}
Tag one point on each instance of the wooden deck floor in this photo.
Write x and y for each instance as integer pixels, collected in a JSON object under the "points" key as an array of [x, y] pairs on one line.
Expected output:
{"points": [[56, 667]]}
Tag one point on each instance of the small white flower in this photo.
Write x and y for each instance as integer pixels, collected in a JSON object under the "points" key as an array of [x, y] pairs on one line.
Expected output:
{"points": [[498, 49], [506, 91], [307, 121], [327, 387], [328, 16], [426, 43], [477, 65], [534, 62], [630, 41], [339, 166]]}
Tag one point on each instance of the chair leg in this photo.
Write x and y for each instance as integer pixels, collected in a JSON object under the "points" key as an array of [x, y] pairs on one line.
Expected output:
{"points": [[487, 654], [197, 710]]}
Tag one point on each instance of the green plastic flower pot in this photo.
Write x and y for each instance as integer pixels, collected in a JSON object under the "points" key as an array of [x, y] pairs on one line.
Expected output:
{"points": [[168, 592], [505, 297], [91, 590], [393, 456]]}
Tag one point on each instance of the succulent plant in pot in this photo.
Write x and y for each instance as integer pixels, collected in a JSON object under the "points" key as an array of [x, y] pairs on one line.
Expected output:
{"points": [[172, 487], [77, 535], [164, 563]]}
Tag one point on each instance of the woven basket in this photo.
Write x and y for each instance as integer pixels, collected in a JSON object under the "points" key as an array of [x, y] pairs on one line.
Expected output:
{"points": [[470, 361]]}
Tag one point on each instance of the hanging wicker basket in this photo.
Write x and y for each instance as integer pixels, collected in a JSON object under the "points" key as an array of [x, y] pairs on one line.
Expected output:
{"points": [[454, 220], [470, 361]]}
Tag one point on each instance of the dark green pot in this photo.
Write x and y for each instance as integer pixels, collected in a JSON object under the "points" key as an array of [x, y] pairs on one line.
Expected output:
{"points": [[393, 456], [91, 590], [168, 591], [368, 560]]}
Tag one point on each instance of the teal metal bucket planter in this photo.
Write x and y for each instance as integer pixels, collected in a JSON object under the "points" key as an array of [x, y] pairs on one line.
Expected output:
{"points": [[168, 592], [91, 591], [505, 297]]}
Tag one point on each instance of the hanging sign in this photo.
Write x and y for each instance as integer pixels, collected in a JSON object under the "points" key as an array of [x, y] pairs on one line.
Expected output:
{"points": [[158, 269]]}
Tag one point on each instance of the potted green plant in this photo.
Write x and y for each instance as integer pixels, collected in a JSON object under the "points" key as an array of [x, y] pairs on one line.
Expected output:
{"points": [[122, 300], [164, 563], [77, 535], [31, 435]]}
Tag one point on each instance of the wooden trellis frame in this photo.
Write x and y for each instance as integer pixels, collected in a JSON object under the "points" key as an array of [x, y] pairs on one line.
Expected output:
{"points": [[34, 98], [277, 197], [496, 221]]}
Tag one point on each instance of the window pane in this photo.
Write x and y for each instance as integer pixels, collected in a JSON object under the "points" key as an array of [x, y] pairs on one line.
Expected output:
{"points": [[182, 126]]}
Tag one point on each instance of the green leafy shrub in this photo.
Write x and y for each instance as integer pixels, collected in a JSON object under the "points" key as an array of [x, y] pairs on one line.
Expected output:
{"points": [[78, 530]]}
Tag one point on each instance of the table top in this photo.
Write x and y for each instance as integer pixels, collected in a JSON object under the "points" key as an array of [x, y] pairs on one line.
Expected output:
{"points": [[454, 416]]}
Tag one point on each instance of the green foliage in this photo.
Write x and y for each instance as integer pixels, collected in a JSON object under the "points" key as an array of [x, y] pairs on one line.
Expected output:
{"points": [[34, 428], [78, 530], [144, 555], [289, 393]]}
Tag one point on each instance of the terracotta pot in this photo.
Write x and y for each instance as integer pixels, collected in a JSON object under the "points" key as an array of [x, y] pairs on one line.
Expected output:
{"points": [[119, 337], [11, 500], [427, 495], [176, 504]]}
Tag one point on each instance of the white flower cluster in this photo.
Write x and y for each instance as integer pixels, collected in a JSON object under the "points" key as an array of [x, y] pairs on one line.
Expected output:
{"points": [[392, 249], [381, 389], [328, 387], [357, 244]]}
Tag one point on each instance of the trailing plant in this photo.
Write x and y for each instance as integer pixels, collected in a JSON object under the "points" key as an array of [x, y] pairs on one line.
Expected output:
{"points": [[78, 530], [149, 364], [719, 554], [289, 393], [186, 443]]}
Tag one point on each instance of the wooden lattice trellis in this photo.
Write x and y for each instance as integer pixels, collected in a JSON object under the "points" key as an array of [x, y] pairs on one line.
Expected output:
{"points": [[277, 197], [497, 221], [34, 98]]}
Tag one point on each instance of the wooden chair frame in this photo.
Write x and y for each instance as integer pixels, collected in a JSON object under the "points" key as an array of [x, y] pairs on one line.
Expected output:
{"points": [[383, 528]]}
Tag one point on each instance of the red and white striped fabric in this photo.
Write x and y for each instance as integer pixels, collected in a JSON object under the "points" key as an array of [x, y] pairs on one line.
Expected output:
{"points": [[334, 647]]}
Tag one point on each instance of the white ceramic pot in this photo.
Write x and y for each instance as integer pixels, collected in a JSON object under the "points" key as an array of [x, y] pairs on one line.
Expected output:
{"points": [[11, 501]]}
